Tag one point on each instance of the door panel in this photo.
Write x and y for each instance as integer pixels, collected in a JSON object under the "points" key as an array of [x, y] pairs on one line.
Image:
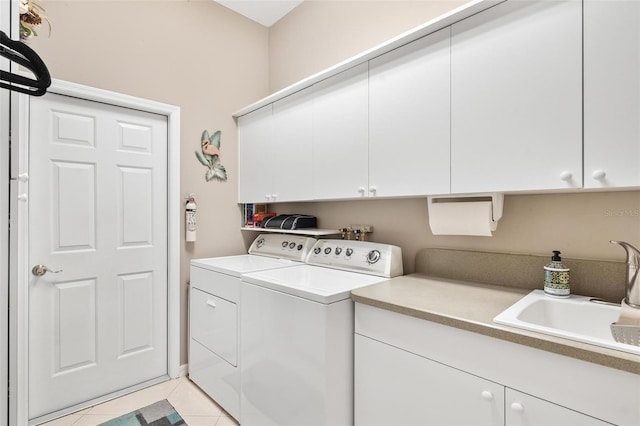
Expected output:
{"points": [[98, 213], [73, 215], [75, 327]]}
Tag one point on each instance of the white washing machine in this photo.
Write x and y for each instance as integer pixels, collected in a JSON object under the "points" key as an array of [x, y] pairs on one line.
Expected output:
{"points": [[214, 312], [297, 334]]}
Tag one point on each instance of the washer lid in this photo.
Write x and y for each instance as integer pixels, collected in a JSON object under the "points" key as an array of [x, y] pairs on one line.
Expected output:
{"points": [[240, 264], [323, 285]]}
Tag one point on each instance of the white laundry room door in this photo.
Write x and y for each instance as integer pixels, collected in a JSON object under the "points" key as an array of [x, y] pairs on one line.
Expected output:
{"points": [[98, 215]]}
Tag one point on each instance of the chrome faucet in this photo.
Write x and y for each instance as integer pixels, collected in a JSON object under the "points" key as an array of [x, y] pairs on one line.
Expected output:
{"points": [[632, 281]]}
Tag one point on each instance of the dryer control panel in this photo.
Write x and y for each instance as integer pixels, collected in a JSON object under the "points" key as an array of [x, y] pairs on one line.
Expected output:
{"points": [[282, 246], [366, 257]]}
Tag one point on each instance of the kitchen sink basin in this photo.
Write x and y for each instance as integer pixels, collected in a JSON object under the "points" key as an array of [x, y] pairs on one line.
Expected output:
{"points": [[576, 318]]}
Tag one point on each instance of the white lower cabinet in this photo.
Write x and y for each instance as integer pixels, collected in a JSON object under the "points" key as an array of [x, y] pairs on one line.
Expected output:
{"points": [[526, 410], [396, 387], [410, 371]]}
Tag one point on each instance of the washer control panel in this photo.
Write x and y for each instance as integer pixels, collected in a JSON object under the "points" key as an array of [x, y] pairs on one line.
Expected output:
{"points": [[367, 257], [282, 246]]}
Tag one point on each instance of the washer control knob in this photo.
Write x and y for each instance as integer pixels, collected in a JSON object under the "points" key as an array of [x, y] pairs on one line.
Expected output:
{"points": [[300, 247], [373, 256], [292, 245], [327, 250], [349, 252], [317, 250], [260, 242], [338, 250], [285, 244]]}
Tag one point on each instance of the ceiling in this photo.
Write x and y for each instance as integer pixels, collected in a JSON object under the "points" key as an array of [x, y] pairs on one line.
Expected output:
{"points": [[265, 12]]}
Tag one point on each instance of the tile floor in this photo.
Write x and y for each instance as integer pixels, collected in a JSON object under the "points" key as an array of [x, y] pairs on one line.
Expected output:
{"points": [[193, 405]]}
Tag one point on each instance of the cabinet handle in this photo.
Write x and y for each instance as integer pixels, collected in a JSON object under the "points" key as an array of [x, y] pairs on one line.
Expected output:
{"points": [[372, 190], [211, 303], [267, 197], [517, 407], [274, 197], [598, 174], [566, 176], [361, 190], [487, 395]]}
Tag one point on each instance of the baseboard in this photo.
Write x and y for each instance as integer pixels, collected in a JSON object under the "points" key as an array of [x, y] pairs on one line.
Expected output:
{"points": [[183, 370]]}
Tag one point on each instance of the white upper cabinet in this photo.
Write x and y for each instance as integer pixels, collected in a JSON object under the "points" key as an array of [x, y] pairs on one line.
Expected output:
{"points": [[611, 93], [293, 138], [255, 146], [340, 135], [409, 126], [516, 106]]}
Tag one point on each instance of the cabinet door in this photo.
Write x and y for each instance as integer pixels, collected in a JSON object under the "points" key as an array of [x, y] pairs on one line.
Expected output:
{"points": [[523, 409], [396, 387], [611, 93], [340, 135], [292, 119], [409, 98], [516, 106], [255, 153]]}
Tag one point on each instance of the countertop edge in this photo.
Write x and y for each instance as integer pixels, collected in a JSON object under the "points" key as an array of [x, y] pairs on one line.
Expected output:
{"points": [[531, 339]]}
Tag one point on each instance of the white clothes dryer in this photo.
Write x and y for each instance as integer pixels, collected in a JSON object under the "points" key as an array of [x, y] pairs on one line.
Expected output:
{"points": [[214, 312], [297, 334]]}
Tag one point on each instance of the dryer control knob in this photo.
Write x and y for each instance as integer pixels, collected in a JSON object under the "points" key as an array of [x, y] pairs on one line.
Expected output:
{"points": [[373, 256]]}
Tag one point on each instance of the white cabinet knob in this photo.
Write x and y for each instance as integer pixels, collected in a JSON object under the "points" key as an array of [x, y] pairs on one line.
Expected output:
{"points": [[274, 197], [23, 177], [487, 395], [565, 176], [23, 197], [361, 190], [517, 407], [598, 174], [372, 190]]}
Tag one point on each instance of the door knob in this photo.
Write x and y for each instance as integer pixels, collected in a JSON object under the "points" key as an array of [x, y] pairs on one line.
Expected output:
{"points": [[40, 270]]}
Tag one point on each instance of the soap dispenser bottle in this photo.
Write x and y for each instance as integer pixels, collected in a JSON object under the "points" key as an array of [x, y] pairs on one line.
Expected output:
{"points": [[556, 277]]}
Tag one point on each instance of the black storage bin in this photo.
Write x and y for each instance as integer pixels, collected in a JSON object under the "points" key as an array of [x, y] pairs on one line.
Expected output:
{"points": [[290, 221]]}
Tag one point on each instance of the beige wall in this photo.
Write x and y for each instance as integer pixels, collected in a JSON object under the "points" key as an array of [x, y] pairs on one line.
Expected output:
{"points": [[318, 34], [197, 55], [321, 33]]}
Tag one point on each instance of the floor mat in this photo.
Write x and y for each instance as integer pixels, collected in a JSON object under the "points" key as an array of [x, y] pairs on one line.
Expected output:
{"points": [[160, 413]]}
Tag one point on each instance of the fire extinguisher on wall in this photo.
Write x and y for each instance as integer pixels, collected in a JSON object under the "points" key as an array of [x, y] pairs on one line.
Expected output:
{"points": [[191, 208]]}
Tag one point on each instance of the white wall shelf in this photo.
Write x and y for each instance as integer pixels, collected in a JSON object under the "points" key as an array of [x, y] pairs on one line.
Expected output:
{"points": [[314, 232]]}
